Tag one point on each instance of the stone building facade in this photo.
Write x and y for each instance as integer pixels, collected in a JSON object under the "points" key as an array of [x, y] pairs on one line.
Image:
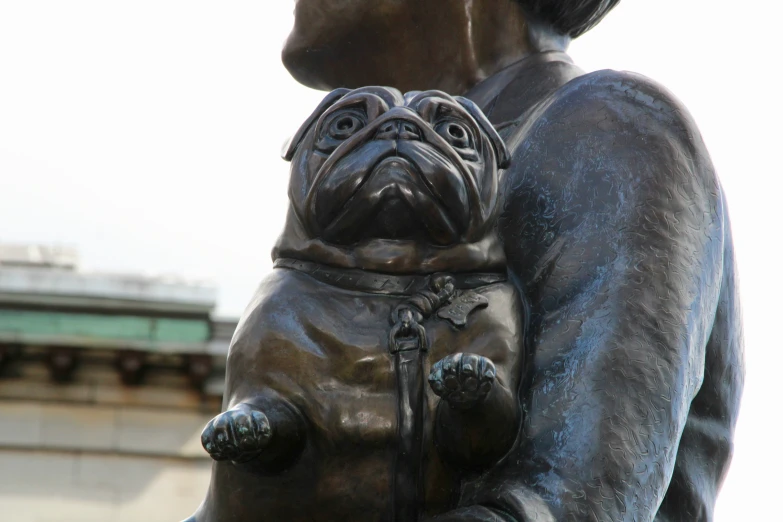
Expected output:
{"points": [[106, 382]]}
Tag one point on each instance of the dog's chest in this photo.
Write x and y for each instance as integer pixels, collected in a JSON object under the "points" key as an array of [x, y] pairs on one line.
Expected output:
{"points": [[352, 397], [326, 351]]}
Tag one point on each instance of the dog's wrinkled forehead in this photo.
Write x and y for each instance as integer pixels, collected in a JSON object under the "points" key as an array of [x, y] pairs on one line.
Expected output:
{"points": [[374, 102]]}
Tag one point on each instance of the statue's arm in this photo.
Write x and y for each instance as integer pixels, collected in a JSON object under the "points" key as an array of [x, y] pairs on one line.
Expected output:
{"points": [[615, 228]]}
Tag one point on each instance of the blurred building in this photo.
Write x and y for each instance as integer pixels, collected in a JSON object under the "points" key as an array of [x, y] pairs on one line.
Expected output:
{"points": [[106, 382]]}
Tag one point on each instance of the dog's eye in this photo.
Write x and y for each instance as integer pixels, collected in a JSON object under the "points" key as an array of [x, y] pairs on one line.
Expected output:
{"points": [[343, 126], [338, 127], [456, 133]]}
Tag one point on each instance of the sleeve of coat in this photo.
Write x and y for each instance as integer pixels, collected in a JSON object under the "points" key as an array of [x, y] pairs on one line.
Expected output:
{"points": [[614, 230]]}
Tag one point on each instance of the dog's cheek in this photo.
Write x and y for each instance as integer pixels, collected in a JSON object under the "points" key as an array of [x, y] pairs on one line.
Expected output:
{"points": [[314, 163], [298, 183], [304, 167], [486, 172]]}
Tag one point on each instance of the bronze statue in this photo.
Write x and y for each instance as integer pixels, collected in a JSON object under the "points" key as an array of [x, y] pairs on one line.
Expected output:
{"points": [[601, 279], [327, 368]]}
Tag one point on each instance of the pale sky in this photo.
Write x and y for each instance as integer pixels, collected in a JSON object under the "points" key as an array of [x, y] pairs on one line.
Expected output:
{"points": [[147, 134]]}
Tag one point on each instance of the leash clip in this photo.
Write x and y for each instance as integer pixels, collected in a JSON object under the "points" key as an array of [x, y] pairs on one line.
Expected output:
{"points": [[407, 333]]}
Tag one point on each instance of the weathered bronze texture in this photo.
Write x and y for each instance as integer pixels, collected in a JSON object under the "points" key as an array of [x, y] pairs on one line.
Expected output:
{"points": [[404, 43], [569, 288], [327, 373]]}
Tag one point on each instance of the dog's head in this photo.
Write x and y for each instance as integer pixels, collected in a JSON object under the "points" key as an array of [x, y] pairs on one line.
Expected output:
{"points": [[371, 163]]}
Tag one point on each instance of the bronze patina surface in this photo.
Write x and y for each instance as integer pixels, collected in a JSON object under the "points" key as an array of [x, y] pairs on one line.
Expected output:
{"points": [[571, 292], [328, 410]]}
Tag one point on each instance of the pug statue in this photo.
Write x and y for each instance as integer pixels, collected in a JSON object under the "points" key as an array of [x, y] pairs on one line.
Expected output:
{"points": [[374, 375]]}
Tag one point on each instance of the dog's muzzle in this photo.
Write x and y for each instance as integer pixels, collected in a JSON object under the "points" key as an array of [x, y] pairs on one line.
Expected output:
{"points": [[397, 182]]}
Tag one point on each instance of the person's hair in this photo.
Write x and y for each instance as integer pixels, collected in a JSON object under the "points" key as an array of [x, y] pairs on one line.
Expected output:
{"points": [[568, 17]]}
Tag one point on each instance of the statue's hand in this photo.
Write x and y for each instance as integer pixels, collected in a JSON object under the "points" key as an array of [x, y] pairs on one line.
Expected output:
{"points": [[462, 379], [239, 434]]}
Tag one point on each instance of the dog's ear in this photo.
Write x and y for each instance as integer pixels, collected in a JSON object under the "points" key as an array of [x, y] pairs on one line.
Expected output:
{"points": [[501, 151], [293, 143]]}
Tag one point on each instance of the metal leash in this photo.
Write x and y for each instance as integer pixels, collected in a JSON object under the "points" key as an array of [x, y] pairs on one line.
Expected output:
{"points": [[408, 345]]}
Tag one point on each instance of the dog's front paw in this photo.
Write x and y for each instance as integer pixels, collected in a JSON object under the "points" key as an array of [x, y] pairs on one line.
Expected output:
{"points": [[239, 434], [462, 379]]}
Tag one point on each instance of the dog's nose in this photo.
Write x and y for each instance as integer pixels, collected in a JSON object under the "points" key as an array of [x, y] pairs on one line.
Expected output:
{"points": [[398, 130]]}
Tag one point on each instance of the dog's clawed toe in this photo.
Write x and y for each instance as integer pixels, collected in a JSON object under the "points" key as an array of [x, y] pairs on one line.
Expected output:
{"points": [[239, 434], [463, 379]]}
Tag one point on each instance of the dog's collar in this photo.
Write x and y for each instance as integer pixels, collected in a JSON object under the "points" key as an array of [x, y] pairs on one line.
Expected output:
{"points": [[387, 284]]}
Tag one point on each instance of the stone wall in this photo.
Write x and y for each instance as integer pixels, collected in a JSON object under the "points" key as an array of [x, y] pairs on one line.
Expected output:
{"points": [[95, 450], [59, 486]]}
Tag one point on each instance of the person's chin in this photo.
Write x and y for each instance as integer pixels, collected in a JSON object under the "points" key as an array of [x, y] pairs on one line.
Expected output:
{"points": [[295, 59]]}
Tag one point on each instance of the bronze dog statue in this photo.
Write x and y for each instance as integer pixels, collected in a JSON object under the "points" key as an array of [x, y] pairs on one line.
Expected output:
{"points": [[389, 273]]}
